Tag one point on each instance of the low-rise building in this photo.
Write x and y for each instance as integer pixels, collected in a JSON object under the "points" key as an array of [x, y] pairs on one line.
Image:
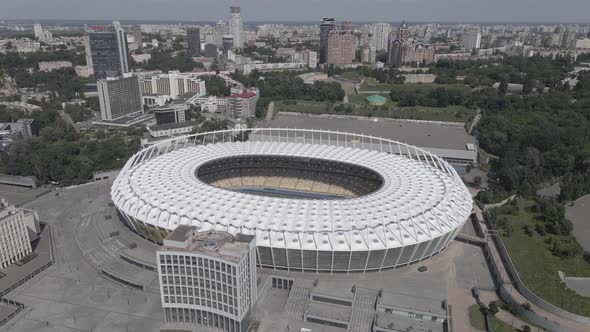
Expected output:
{"points": [[48, 66], [208, 278], [21, 107], [84, 71]]}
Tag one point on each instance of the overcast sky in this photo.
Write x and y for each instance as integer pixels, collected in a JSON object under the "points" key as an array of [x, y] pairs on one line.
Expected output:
{"points": [[304, 10]]}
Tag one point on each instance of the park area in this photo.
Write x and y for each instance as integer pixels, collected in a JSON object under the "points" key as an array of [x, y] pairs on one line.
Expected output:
{"points": [[539, 253]]}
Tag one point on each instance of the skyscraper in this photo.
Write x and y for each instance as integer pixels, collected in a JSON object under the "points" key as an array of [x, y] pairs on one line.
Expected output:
{"points": [[194, 41], [380, 36], [109, 52], [327, 25], [235, 26], [38, 30], [340, 47]]}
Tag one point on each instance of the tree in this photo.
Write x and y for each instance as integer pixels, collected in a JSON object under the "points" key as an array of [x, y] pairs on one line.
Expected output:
{"points": [[503, 88]]}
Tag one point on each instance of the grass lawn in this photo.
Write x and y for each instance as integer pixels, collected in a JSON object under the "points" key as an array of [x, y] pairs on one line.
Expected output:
{"points": [[418, 87], [477, 320], [537, 266], [351, 75]]}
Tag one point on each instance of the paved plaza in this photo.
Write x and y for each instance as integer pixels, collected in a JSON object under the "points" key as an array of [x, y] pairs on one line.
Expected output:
{"points": [[71, 295]]}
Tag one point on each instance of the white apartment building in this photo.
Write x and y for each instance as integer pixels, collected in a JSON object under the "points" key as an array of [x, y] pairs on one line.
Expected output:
{"points": [[18, 228], [380, 37], [471, 41], [208, 278], [173, 84]]}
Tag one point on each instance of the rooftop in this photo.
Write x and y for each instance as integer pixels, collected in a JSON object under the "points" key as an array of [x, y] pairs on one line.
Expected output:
{"points": [[445, 139], [426, 134], [415, 303], [212, 243]]}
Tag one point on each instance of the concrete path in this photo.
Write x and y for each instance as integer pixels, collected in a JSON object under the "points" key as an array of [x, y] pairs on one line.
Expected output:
{"points": [[509, 318]]}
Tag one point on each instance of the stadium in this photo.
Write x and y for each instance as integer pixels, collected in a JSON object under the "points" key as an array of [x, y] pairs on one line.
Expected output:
{"points": [[316, 200]]}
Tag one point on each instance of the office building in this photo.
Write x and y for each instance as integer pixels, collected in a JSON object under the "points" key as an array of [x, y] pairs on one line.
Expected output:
{"points": [[119, 97], [210, 50], [242, 105], [235, 26], [173, 113], [340, 47], [173, 84], [227, 43], [109, 52], [471, 41], [18, 227], [193, 36], [380, 36], [208, 278], [221, 29], [327, 25]]}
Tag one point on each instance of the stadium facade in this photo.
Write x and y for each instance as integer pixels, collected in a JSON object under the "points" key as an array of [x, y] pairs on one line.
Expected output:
{"points": [[315, 200]]}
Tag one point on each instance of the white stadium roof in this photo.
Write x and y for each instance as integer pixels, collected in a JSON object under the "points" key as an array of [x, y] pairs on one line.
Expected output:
{"points": [[419, 200]]}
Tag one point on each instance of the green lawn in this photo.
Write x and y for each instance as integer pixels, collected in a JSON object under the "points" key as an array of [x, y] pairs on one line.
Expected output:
{"points": [[537, 266], [477, 320], [351, 75], [419, 87], [450, 113]]}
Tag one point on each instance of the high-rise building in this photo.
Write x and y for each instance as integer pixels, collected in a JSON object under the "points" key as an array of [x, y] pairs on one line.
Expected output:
{"points": [[471, 40], [88, 52], [38, 30], [40, 33], [380, 36], [208, 278], [119, 97], [221, 30], [18, 227], [137, 35], [341, 47], [403, 50], [193, 37], [327, 25], [235, 26], [109, 52]]}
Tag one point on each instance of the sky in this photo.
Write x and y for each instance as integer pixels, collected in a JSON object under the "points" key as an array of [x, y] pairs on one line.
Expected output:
{"points": [[303, 10]]}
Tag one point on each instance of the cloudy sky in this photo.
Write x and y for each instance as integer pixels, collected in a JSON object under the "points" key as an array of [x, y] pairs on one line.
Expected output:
{"points": [[304, 10]]}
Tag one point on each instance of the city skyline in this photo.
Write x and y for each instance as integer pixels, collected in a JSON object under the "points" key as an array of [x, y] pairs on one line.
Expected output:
{"points": [[528, 11]]}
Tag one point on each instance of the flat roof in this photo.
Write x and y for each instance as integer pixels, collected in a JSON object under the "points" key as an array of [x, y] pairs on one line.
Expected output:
{"points": [[212, 243], [329, 311], [401, 323], [414, 303], [426, 134]]}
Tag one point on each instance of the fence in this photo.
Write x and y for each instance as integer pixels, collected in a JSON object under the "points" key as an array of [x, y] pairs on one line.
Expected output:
{"points": [[19, 307], [523, 290]]}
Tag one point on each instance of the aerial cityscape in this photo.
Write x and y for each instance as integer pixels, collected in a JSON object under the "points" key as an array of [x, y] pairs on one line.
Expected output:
{"points": [[307, 166]]}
